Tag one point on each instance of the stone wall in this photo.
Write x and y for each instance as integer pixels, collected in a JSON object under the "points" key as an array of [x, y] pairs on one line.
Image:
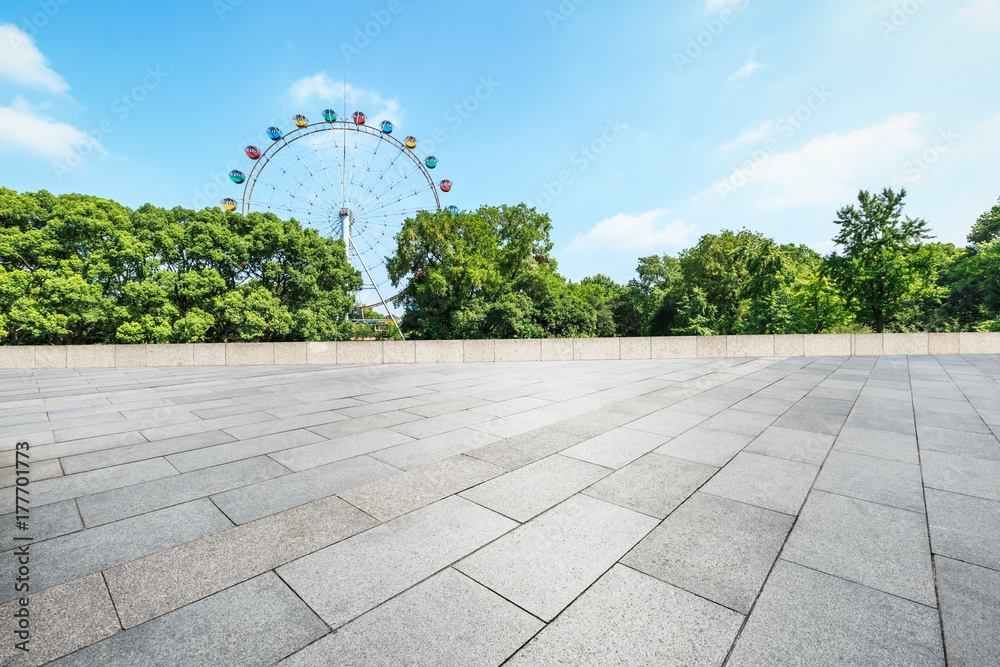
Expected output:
{"points": [[456, 351]]}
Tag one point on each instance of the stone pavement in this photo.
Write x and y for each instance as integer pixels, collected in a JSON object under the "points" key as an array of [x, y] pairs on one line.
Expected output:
{"points": [[740, 512]]}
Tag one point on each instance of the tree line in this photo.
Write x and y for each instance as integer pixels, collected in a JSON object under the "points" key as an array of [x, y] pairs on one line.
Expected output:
{"points": [[490, 274], [78, 269]]}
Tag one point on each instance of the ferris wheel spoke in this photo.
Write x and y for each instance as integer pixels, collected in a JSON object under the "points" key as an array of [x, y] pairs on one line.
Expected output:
{"points": [[362, 182], [277, 188], [301, 185], [393, 184], [416, 193], [308, 168]]}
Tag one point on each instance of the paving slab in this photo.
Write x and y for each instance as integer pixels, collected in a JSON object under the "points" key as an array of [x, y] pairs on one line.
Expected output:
{"points": [[83, 484], [338, 449], [627, 618], [255, 623], [446, 620], [765, 481], [654, 484], [970, 612], [149, 587], [705, 445], [616, 449], [102, 508], [960, 474], [880, 444], [143, 450], [257, 500], [520, 450], [981, 445], [349, 578], [526, 492], [63, 619], [670, 422], [45, 522], [964, 527], [785, 443], [882, 547], [82, 553], [546, 563], [879, 480], [410, 455], [719, 549], [806, 618], [207, 457]]}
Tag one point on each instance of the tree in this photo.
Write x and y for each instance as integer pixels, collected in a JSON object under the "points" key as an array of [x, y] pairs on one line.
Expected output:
{"points": [[880, 262], [986, 228]]}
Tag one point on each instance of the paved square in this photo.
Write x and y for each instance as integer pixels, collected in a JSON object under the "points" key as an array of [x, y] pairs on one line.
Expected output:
{"points": [[710, 512]]}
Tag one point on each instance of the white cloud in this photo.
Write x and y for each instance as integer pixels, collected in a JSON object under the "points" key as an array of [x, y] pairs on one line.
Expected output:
{"points": [[745, 71], [22, 127], [829, 168], [643, 232], [750, 137], [320, 89], [23, 63]]}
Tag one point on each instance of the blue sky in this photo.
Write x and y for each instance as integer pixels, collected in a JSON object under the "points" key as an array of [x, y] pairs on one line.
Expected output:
{"points": [[636, 126]]}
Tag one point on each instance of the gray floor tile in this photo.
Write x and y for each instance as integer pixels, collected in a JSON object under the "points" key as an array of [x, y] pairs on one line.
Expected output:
{"points": [[206, 457], [138, 499], [394, 496], [868, 478], [706, 446], [959, 474], [143, 450], [897, 417], [277, 494], [765, 481], [526, 448], [950, 421], [44, 523], [805, 618], [669, 422], [739, 421], [254, 623], [338, 449], [616, 449], [654, 485], [351, 577], [418, 453], [613, 623], [806, 446], [964, 528], [875, 545], [446, 620], [526, 492], [769, 406], [961, 443], [62, 620], [149, 587], [717, 548], [881, 444], [970, 611], [546, 563], [85, 483], [80, 554], [811, 420]]}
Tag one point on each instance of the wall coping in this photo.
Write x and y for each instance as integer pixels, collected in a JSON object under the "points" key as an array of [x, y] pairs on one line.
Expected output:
{"points": [[478, 351]]}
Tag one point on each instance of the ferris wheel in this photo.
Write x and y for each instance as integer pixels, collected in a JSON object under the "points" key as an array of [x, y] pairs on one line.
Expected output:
{"points": [[347, 180]]}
